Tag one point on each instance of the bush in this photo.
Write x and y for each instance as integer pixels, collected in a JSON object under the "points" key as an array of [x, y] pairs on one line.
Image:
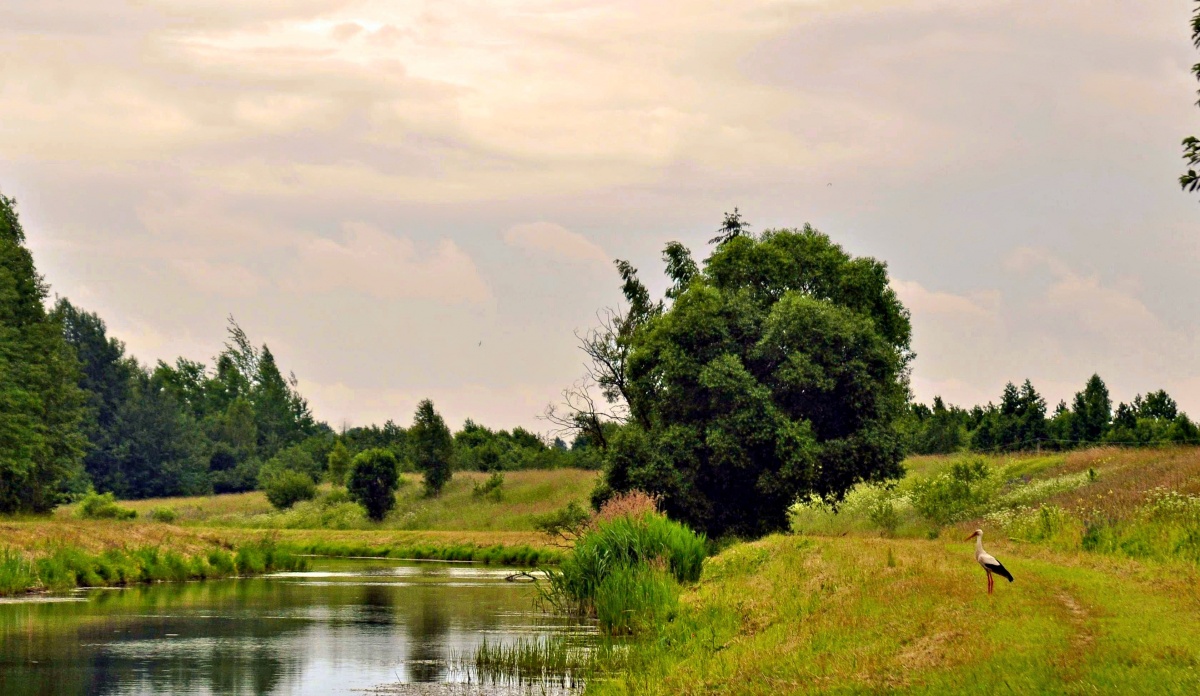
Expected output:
{"points": [[103, 506], [287, 488], [163, 514], [957, 494], [567, 523], [490, 489], [372, 482]]}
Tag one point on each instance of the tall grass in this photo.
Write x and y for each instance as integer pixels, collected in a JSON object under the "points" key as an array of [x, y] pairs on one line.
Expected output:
{"points": [[626, 571], [16, 573], [66, 567]]}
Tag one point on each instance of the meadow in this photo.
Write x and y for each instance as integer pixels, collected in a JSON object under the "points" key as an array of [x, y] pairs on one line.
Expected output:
{"points": [[881, 595], [512, 508]]}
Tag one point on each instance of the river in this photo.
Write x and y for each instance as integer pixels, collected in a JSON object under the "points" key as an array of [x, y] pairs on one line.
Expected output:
{"points": [[346, 626]]}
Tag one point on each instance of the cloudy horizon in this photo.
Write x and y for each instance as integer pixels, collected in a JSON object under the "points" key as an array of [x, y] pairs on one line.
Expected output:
{"points": [[424, 199]]}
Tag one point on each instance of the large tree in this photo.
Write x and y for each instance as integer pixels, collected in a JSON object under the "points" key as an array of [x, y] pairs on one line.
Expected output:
{"points": [[106, 378], [41, 405], [777, 371]]}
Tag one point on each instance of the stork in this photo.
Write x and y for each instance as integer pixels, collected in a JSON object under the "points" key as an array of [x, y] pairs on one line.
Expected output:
{"points": [[988, 561]]}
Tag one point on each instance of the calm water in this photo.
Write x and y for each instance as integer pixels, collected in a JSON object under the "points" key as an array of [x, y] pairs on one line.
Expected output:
{"points": [[347, 626]]}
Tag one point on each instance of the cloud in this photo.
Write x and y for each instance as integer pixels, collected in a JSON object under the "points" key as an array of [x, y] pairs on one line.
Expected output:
{"points": [[223, 279], [386, 267], [556, 241]]}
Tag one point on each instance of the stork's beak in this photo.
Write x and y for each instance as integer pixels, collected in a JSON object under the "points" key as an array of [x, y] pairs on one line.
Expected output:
{"points": [[970, 537]]}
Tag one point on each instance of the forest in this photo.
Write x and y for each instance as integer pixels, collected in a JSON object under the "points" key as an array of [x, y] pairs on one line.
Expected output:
{"points": [[80, 413]]}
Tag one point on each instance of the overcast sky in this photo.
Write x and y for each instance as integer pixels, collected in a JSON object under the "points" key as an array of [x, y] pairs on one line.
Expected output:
{"points": [[375, 188]]}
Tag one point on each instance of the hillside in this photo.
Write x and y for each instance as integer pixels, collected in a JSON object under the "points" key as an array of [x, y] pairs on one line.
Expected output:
{"points": [[1100, 542]]}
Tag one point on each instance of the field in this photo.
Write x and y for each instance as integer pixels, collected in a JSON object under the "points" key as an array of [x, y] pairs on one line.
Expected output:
{"points": [[524, 495], [866, 602]]}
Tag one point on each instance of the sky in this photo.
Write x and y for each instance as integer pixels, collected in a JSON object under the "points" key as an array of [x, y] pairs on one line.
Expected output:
{"points": [[423, 199]]}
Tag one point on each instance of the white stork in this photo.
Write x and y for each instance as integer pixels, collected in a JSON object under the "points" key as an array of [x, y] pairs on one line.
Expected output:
{"points": [[988, 561]]}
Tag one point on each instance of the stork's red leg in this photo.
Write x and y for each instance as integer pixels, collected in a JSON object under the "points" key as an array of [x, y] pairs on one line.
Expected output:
{"points": [[991, 582]]}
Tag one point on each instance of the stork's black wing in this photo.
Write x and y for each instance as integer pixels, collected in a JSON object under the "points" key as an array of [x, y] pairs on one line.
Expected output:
{"points": [[1000, 570]]}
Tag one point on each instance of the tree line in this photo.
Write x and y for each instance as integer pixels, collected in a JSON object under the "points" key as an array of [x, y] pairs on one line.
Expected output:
{"points": [[1020, 422], [77, 412]]}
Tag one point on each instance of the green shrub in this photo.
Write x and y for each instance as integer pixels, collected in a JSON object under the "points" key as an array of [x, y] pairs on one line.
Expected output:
{"points": [[103, 506], [373, 480], [491, 488], [163, 514], [286, 488], [956, 494]]}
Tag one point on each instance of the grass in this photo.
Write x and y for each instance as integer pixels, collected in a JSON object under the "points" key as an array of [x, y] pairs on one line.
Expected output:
{"points": [[512, 505], [554, 658], [64, 567], [864, 615], [626, 571]]}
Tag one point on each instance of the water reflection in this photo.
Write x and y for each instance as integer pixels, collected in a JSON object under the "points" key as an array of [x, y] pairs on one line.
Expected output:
{"points": [[348, 625]]}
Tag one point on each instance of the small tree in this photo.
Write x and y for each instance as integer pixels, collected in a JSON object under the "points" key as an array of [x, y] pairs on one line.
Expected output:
{"points": [[339, 463], [432, 447], [373, 480]]}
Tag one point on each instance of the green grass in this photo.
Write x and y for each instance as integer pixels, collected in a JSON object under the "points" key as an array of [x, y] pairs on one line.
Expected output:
{"points": [[63, 567], [513, 505], [860, 615]]}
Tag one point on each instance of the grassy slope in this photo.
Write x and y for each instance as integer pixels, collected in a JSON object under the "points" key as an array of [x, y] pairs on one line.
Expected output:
{"points": [[794, 614], [524, 495], [843, 610]]}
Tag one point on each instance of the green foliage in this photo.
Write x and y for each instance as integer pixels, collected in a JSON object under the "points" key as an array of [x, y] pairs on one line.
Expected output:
{"points": [[373, 481], [432, 447], [1019, 422], [778, 370], [288, 487], [492, 488], [66, 567], [339, 464], [566, 523], [41, 407], [622, 565], [161, 450], [635, 599], [956, 494], [1092, 411], [16, 573], [163, 514], [936, 430], [103, 506], [295, 458]]}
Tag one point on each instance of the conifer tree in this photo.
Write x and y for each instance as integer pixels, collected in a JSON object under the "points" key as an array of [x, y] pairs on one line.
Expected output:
{"points": [[432, 447], [41, 405]]}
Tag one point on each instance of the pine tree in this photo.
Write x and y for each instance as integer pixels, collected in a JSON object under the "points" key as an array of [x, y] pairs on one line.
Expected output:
{"points": [[41, 405], [432, 447]]}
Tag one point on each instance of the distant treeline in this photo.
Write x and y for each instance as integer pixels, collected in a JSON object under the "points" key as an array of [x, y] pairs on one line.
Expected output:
{"points": [[77, 412], [1020, 422]]}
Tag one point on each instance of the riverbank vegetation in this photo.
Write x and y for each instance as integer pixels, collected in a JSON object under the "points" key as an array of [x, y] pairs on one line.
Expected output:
{"points": [[60, 568]]}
